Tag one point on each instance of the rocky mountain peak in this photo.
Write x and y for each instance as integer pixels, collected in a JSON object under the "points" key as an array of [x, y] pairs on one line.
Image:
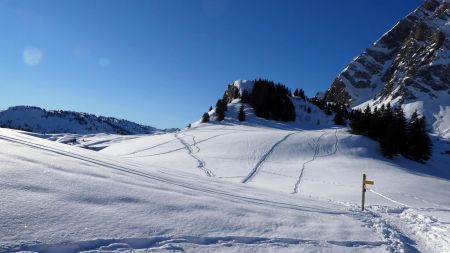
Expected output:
{"points": [[408, 66], [414, 56]]}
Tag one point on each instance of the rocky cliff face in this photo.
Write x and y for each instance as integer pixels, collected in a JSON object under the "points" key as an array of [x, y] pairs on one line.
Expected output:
{"points": [[412, 56], [409, 63]]}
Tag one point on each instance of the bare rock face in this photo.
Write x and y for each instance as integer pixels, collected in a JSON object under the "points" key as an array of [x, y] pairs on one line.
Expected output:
{"points": [[409, 61]]}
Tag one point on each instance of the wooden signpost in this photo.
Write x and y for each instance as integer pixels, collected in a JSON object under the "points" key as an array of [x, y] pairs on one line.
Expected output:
{"points": [[364, 183]]}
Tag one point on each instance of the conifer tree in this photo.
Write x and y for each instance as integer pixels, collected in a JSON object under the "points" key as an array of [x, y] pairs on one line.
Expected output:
{"points": [[328, 110], [205, 117], [301, 93], [400, 131], [221, 108], [339, 117], [419, 143], [394, 135], [272, 101], [245, 97], [357, 122], [241, 114]]}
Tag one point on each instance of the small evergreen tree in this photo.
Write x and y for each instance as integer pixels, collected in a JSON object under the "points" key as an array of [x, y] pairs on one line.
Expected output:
{"points": [[339, 117], [210, 108], [357, 122], [221, 108], [245, 97], [205, 117], [400, 131], [419, 143], [241, 114], [328, 110]]}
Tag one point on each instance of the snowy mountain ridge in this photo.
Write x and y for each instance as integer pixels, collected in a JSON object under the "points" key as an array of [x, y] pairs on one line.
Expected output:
{"points": [[38, 120], [407, 66]]}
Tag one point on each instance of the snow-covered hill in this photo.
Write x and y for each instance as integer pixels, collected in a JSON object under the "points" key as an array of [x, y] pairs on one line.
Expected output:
{"points": [[223, 188], [305, 119], [60, 198], [252, 186], [35, 119], [409, 65], [408, 205]]}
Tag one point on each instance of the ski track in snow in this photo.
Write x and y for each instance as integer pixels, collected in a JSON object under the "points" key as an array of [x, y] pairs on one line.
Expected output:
{"points": [[194, 187], [400, 226], [149, 148], [255, 169], [170, 243], [201, 164], [316, 152], [335, 146], [178, 149]]}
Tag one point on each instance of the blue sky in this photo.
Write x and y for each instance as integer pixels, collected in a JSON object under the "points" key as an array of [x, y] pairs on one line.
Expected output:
{"points": [[164, 62]]}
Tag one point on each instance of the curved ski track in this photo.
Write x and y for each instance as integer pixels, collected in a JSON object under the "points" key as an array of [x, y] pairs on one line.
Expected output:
{"points": [[177, 149], [201, 164], [316, 155], [264, 158]]}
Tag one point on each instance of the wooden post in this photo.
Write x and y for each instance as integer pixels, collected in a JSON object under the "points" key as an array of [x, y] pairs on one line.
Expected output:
{"points": [[363, 191]]}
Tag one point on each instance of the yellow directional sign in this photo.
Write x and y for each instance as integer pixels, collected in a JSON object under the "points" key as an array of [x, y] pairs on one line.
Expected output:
{"points": [[368, 182]]}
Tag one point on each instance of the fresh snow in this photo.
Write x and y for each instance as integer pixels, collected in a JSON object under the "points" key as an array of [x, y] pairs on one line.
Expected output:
{"points": [[408, 207], [60, 198], [252, 186]]}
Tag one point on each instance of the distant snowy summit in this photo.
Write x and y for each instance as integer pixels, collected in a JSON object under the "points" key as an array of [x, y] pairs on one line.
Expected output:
{"points": [[409, 66], [38, 120]]}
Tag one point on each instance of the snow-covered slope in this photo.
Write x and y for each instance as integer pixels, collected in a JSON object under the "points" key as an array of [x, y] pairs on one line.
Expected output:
{"points": [[408, 205], [252, 186], [35, 119], [409, 65], [95, 142], [60, 198]]}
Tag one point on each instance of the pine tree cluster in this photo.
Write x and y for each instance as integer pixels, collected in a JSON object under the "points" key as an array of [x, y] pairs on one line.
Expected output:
{"points": [[299, 93], [395, 135], [271, 101], [329, 108]]}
